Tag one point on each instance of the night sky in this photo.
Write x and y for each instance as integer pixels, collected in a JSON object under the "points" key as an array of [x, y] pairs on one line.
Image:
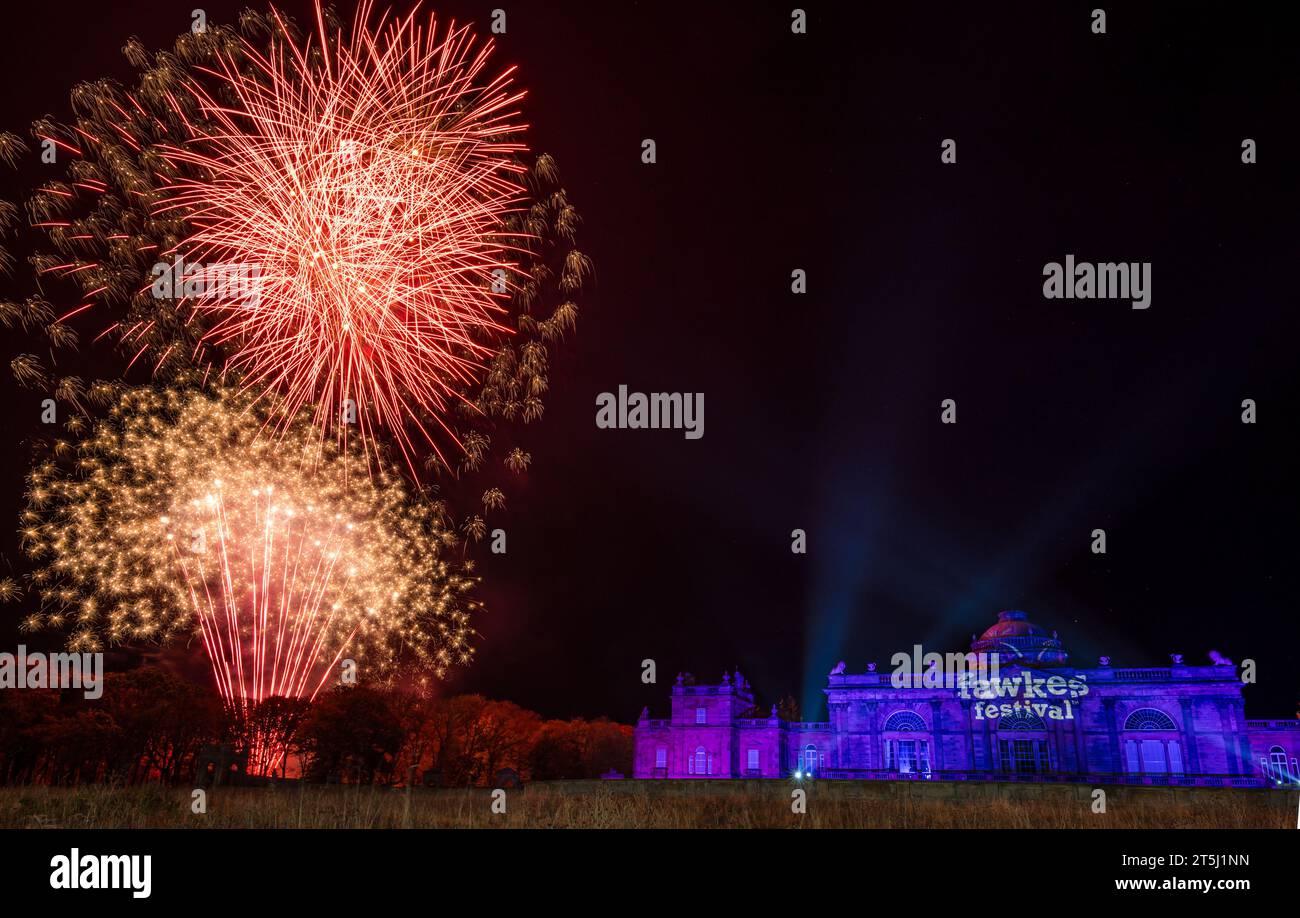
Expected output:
{"points": [[822, 411]]}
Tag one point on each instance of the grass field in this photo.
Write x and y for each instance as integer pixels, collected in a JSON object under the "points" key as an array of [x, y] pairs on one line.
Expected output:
{"points": [[636, 805]]}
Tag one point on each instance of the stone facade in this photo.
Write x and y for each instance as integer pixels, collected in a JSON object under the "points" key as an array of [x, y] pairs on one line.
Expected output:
{"points": [[1032, 717]]}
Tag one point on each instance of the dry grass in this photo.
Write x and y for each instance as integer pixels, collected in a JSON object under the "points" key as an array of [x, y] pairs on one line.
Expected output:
{"points": [[634, 805]]}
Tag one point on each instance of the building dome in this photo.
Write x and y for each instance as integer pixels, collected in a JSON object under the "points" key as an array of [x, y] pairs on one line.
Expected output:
{"points": [[1018, 640]]}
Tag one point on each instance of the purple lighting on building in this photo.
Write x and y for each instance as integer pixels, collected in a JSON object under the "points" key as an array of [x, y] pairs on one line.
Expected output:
{"points": [[1039, 719]]}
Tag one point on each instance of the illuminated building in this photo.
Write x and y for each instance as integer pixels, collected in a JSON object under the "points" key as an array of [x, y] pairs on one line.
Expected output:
{"points": [[1035, 718]]}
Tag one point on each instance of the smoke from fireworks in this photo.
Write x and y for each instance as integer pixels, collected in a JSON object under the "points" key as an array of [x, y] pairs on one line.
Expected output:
{"points": [[177, 517], [369, 187]]}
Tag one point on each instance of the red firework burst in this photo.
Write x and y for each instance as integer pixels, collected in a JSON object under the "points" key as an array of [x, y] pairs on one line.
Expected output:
{"points": [[361, 182]]}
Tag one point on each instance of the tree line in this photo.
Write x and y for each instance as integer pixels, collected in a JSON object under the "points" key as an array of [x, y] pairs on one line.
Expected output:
{"points": [[152, 726]]}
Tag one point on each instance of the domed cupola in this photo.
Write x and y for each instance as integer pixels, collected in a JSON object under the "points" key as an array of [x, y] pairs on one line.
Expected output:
{"points": [[1015, 639]]}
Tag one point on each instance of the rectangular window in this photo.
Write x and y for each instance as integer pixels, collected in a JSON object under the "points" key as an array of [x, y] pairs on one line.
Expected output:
{"points": [[752, 760], [1023, 753], [1175, 758], [906, 756], [1131, 753], [1153, 757], [661, 757], [701, 716], [1022, 756], [1044, 758]]}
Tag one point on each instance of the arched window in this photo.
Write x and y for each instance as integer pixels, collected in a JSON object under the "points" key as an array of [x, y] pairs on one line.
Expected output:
{"points": [[1149, 719], [1027, 755], [808, 760], [1152, 756], [904, 722], [1021, 720], [1278, 768], [701, 761]]}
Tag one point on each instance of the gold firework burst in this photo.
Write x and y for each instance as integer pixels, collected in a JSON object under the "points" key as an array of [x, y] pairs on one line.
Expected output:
{"points": [[178, 514]]}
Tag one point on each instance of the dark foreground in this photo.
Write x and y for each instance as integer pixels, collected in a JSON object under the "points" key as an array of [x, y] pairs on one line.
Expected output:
{"points": [[630, 804]]}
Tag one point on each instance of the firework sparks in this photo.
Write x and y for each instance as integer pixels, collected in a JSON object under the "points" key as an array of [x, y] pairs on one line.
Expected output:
{"points": [[368, 179], [403, 315], [283, 555]]}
